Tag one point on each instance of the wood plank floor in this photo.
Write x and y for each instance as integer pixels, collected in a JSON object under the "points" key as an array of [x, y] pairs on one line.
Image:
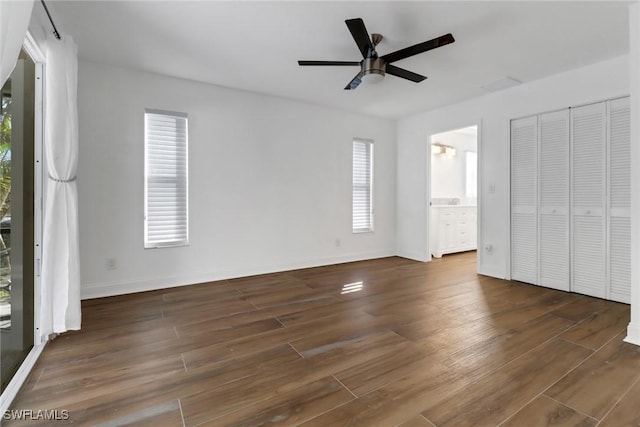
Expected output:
{"points": [[387, 342]]}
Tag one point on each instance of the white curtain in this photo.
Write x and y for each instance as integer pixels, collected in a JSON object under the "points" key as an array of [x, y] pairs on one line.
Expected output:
{"points": [[60, 297], [14, 21]]}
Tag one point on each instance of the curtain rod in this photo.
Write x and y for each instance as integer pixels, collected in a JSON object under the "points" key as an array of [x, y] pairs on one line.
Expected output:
{"points": [[55, 30]]}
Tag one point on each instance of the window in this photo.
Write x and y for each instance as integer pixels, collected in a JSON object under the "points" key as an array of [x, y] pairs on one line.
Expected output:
{"points": [[166, 220], [471, 170], [362, 186], [19, 215]]}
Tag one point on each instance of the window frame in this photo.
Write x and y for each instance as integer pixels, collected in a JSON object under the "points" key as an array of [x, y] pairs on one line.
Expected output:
{"points": [[179, 180]]}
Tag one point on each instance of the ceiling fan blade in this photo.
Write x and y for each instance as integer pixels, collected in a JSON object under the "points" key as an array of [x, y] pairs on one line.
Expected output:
{"points": [[354, 83], [418, 48], [328, 63], [405, 74], [360, 35]]}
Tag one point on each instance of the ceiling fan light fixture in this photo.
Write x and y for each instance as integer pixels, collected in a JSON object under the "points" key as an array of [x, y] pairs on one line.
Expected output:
{"points": [[373, 70], [373, 76]]}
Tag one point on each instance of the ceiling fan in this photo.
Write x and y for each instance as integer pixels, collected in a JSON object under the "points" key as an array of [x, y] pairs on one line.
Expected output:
{"points": [[373, 67]]}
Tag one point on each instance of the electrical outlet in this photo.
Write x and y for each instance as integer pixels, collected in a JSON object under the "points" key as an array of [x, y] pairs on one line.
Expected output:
{"points": [[111, 264], [492, 188], [489, 248], [338, 243]]}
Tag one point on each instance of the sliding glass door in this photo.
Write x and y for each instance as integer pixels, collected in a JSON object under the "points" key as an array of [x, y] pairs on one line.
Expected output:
{"points": [[17, 195]]}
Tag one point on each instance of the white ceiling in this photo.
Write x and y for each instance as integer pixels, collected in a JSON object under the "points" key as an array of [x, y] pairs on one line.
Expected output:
{"points": [[255, 45]]}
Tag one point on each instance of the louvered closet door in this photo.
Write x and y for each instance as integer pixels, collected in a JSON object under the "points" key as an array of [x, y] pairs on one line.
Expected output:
{"points": [[553, 244], [524, 230], [588, 244], [619, 171]]}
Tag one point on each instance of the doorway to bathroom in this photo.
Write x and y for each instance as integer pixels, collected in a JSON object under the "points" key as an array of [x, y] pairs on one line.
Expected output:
{"points": [[453, 204]]}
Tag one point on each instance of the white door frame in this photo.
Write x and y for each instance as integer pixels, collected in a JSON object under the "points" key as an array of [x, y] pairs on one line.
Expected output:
{"points": [[427, 178]]}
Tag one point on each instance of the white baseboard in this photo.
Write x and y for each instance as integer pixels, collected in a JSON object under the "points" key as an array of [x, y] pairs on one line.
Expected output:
{"points": [[20, 377], [415, 256], [105, 289], [633, 334], [492, 272]]}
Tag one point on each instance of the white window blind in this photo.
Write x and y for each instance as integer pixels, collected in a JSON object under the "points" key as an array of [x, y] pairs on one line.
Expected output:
{"points": [[166, 179], [362, 186]]}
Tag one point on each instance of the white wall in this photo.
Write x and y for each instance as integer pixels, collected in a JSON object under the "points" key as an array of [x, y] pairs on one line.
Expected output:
{"points": [[589, 84], [270, 183], [448, 173]]}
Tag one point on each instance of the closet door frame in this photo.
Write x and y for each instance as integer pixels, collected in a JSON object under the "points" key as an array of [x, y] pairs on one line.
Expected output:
{"points": [[607, 201]]}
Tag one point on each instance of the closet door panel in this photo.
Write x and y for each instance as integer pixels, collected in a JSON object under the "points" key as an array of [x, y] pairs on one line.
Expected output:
{"points": [[588, 260], [553, 155], [524, 249], [554, 252], [620, 259], [524, 222], [588, 190], [619, 220]]}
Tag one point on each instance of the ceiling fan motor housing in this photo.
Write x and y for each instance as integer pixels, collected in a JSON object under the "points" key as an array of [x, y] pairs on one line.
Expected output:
{"points": [[373, 69]]}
